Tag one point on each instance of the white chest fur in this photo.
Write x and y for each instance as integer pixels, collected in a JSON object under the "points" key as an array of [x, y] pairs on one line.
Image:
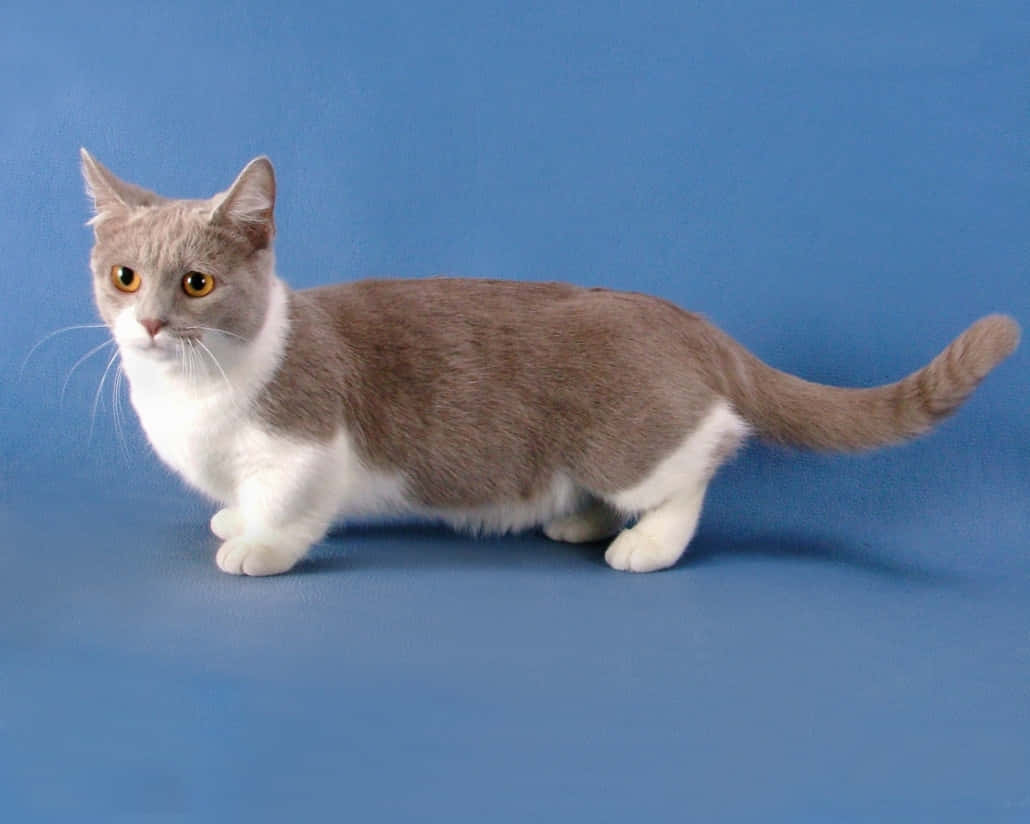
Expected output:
{"points": [[195, 434]]}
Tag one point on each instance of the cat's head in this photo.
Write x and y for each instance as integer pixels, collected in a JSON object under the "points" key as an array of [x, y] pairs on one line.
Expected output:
{"points": [[168, 274]]}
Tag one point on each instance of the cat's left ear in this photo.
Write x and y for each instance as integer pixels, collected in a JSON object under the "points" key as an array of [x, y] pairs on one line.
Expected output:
{"points": [[249, 204]]}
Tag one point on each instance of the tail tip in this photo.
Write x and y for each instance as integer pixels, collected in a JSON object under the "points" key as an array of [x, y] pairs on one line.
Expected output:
{"points": [[999, 334]]}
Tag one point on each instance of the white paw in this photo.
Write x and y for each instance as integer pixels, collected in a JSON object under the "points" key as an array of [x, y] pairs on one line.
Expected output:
{"points": [[582, 527], [633, 551], [249, 556], [227, 523]]}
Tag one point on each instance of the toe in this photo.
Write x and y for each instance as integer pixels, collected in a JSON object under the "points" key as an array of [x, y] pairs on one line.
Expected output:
{"points": [[230, 557], [227, 523], [266, 561], [617, 555]]}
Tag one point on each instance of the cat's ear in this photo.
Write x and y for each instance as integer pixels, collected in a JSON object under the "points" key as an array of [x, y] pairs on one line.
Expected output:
{"points": [[249, 204], [110, 194]]}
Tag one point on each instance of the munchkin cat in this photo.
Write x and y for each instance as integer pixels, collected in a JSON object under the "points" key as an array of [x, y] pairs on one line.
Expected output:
{"points": [[491, 405]]}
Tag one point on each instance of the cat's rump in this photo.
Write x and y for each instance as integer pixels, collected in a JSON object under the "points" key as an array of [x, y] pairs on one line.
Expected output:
{"points": [[789, 410]]}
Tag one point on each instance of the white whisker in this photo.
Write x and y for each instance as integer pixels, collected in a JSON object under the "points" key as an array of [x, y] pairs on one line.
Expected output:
{"points": [[96, 397], [180, 348], [233, 397], [186, 364], [78, 363], [200, 368], [116, 399], [225, 377], [47, 337], [219, 331], [194, 371]]}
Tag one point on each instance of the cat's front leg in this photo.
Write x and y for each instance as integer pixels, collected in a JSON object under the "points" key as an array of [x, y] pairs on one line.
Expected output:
{"points": [[282, 508]]}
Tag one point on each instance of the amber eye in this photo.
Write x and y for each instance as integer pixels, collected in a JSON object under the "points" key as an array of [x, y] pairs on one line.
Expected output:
{"points": [[125, 278], [197, 284]]}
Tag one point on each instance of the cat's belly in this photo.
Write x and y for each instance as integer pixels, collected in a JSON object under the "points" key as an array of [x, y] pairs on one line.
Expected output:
{"points": [[367, 492], [559, 499]]}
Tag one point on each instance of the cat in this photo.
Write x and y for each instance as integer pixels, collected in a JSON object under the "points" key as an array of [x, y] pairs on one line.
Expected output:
{"points": [[492, 405]]}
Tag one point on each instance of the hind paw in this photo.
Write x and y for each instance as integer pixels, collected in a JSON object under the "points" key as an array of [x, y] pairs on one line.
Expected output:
{"points": [[594, 524], [635, 551]]}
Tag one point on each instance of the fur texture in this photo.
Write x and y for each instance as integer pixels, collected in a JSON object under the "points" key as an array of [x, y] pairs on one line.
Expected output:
{"points": [[488, 404]]}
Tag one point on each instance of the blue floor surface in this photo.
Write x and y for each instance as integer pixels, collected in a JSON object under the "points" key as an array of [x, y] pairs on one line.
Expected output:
{"points": [[842, 187]]}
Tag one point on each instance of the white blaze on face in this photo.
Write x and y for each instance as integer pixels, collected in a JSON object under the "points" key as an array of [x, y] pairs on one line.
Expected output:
{"points": [[135, 341]]}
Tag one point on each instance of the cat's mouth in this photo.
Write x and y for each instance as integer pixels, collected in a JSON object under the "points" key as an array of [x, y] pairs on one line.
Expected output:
{"points": [[165, 347]]}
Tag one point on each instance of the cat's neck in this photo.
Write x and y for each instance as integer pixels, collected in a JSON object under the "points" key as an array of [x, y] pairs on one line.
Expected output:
{"points": [[235, 374]]}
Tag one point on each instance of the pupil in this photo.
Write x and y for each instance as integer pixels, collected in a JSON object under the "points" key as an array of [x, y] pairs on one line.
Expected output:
{"points": [[197, 282], [126, 276]]}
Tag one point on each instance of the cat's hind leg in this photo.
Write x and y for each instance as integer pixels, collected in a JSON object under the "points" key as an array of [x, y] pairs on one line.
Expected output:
{"points": [[594, 522], [659, 537], [669, 499]]}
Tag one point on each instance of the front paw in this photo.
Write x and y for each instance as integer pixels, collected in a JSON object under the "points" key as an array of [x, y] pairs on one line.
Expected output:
{"points": [[245, 555]]}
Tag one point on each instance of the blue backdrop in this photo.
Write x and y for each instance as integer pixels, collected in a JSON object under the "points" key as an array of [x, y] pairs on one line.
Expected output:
{"points": [[841, 186]]}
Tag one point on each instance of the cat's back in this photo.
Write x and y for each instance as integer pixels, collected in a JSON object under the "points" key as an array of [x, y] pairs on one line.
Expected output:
{"points": [[422, 339], [419, 329], [436, 300], [446, 307]]}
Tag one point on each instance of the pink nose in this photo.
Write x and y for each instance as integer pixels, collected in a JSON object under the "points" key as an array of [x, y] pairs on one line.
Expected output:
{"points": [[153, 325]]}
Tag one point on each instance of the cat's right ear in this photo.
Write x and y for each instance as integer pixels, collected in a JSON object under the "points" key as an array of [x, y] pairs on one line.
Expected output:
{"points": [[111, 195]]}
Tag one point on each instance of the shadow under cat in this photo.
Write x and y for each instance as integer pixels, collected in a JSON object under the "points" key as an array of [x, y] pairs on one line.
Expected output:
{"points": [[420, 545]]}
